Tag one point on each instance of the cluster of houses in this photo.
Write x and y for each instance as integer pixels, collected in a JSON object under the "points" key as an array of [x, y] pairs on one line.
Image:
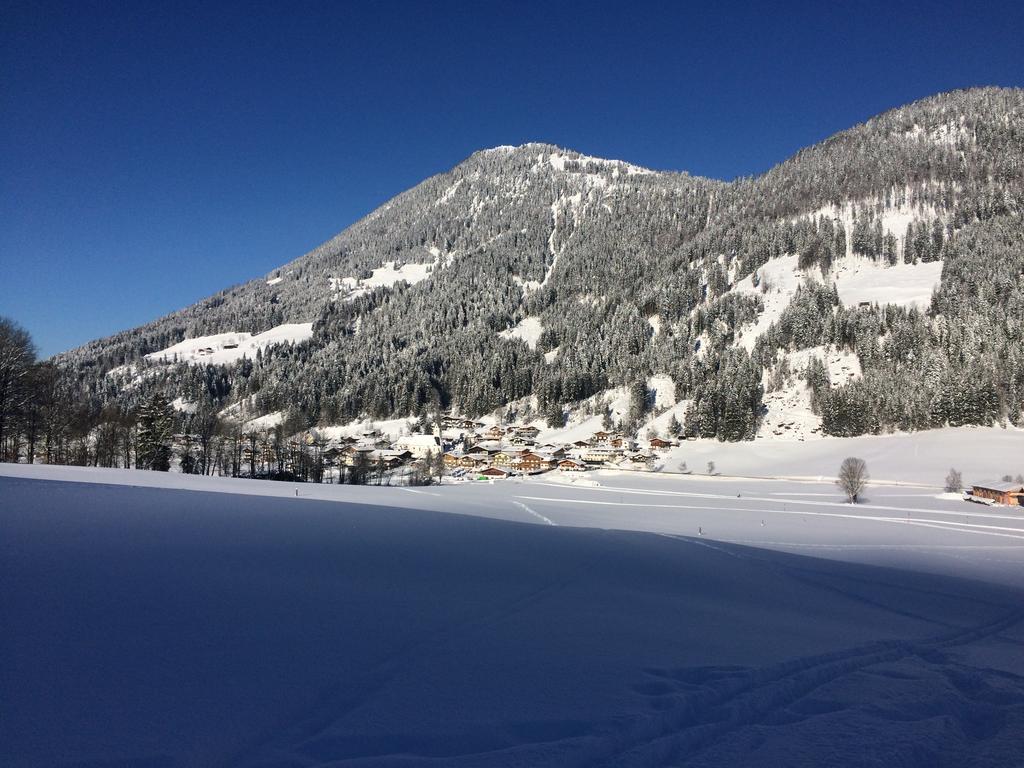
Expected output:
{"points": [[501, 451], [473, 449]]}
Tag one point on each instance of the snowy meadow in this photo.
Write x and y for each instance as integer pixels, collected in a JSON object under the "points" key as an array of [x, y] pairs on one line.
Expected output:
{"points": [[622, 619]]}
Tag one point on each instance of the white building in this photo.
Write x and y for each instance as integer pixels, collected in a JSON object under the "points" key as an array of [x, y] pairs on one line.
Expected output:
{"points": [[419, 445], [597, 454]]}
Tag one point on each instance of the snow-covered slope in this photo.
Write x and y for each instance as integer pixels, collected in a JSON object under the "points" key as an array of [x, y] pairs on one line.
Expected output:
{"points": [[228, 347], [382, 277], [861, 280], [777, 282], [529, 329], [787, 410]]}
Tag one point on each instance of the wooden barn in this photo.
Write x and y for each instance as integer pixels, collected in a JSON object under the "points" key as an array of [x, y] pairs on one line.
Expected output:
{"points": [[1011, 494]]}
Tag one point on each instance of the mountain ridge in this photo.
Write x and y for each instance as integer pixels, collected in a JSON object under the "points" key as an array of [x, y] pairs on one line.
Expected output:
{"points": [[551, 148], [537, 231]]}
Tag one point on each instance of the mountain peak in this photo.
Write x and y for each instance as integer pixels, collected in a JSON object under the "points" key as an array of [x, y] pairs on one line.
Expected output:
{"points": [[538, 271]]}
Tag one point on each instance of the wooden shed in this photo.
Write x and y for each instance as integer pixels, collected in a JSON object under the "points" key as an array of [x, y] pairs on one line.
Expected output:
{"points": [[1002, 492]]}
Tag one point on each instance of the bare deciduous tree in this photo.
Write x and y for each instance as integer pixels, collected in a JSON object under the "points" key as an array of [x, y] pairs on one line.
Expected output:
{"points": [[853, 477], [954, 481], [17, 360]]}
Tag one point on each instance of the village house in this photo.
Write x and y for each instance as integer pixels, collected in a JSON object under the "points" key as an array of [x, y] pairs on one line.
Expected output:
{"points": [[659, 445], [419, 445], [598, 454], [507, 457], [464, 460], [355, 453], [496, 432], [331, 454], [554, 451], [638, 460], [493, 472], [1002, 492], [387, 459], [571, 465], [530, 463]]}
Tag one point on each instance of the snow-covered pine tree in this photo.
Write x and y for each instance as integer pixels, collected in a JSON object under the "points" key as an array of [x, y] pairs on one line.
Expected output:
{"points": [[155, 434]]}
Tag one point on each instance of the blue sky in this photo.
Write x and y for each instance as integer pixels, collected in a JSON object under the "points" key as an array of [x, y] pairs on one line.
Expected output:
{"points": [[153, 154]]}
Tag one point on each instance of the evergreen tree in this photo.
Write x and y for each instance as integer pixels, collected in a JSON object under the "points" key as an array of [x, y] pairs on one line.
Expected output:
{"points": [[156, 433]]}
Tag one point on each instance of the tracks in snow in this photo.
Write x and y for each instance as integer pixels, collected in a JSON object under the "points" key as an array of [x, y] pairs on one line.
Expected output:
{"points": [[710, 703], [937, 519], [538, 515]]}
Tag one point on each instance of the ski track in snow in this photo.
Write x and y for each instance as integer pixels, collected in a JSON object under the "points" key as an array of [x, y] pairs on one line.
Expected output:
{"points": [[538, 515], [972, 528]]}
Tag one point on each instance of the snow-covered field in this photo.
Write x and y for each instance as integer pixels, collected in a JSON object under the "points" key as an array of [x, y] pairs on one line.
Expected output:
{"points": [[982, 454], [624, 619]]}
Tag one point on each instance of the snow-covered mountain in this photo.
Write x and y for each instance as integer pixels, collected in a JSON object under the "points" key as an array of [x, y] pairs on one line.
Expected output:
{"points": [[873, 281]]}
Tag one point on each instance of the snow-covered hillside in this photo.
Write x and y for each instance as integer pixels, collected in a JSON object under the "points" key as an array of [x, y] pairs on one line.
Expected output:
{"points": [[179, 627], [222, 348], [860, 280], [777, 281], [350, 288], [630, 274], [529, 329]]}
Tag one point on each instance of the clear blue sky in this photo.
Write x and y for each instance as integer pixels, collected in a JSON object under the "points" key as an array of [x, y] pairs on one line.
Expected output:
{"points": [[154, 153]]}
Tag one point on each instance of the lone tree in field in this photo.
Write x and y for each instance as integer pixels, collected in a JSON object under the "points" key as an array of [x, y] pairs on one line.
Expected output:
{"points": [[954, 482], [853, 477]]}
